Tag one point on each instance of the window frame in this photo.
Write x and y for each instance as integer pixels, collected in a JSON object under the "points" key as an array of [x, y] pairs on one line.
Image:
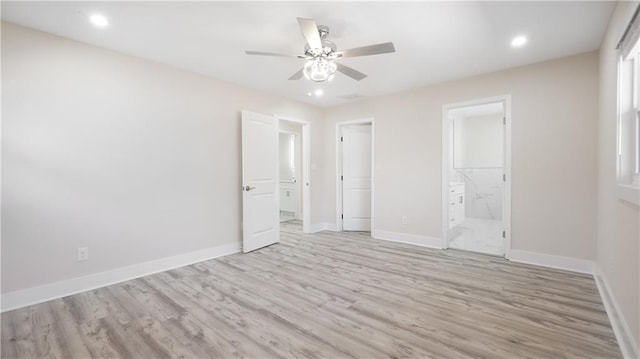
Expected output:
{"points": [[628, 127]]}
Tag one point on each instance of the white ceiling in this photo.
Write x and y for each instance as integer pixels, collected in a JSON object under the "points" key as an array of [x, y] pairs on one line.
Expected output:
{"points": [[435, 41]]}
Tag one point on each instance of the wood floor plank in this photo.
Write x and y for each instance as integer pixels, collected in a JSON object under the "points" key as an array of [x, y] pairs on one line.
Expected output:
{"points": [[338, 332], [8, 348], [533, 308], [443, 328], [239, 316], [22, 336], [303, 295], [64, 330], [326, 295]]}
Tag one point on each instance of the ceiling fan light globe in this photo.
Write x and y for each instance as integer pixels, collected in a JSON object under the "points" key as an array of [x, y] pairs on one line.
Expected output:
{"points": [[319, 69]]}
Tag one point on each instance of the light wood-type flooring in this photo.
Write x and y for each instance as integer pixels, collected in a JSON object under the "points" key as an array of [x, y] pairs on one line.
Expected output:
{"points": [[326, 295]]}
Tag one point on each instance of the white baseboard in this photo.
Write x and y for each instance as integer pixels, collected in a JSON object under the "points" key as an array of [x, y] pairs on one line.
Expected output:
{"points": [[43, 293], [628, 346], [551, 261], [324, 226], [415, 239]]}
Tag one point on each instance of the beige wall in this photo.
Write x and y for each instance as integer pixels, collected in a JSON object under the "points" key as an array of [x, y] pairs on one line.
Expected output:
{"points": [[133, 159], [618, 221], [554, 116]]}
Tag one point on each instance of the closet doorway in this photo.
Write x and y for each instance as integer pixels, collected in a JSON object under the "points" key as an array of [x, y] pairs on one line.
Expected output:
{"points": [[476, 176], [354, 168]]}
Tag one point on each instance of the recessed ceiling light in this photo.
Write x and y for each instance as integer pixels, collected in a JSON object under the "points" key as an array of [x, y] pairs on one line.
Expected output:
{"points": [[99, 20], [309, 94], [319, 92], [519, 41]]}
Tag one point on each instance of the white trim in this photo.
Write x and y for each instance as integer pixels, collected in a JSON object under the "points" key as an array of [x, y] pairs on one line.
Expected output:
{"points": [[415, 239], [627, 150], [446, 161], [373, 172], [629, 193], [306, 169], [339, 126], [552, 261], [25, 297], [507, 170], [324, 226], [447, 158], [628, 346]]}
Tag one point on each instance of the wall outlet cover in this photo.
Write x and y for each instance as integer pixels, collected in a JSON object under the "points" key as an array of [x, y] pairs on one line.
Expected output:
{"points": [[83, 254]]}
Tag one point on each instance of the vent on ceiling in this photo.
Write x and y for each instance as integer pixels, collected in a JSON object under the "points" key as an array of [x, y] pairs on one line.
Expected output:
{"points": [[353, 96]]}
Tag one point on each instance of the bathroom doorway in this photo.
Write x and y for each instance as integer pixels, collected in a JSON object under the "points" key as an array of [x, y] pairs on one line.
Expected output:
{"points": [[476, 194], [294, 172], [290, 198]]}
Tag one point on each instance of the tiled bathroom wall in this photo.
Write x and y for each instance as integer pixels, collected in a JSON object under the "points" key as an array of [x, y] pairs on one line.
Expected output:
{"points": [[483, 191]]}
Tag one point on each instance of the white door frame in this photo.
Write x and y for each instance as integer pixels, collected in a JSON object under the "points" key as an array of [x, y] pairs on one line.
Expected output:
{"points": [[339, 126], [447, 158], [306, 168]]}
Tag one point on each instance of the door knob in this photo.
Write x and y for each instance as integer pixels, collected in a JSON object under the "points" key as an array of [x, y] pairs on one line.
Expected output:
{"points": [[248, 188]]}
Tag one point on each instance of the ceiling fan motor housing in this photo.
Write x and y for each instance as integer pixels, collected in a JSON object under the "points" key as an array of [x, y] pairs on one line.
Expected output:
{"points": [[328, 47], [323, 31]]}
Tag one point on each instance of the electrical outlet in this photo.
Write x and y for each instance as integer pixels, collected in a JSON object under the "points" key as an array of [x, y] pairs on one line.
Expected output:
{"points": [[83, 254], [404, 220]]}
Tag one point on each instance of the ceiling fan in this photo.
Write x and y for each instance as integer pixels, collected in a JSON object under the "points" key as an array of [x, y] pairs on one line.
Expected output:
{"points": [[321, 54]]}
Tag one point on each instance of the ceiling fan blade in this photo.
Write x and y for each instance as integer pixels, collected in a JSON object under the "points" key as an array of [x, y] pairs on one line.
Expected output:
{"points": [[297, 75], [376, 49], [354, 74], [262, 53], [310, 32]]}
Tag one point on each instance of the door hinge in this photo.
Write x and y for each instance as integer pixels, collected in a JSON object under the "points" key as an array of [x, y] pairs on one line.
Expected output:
{"points": [[341, 178], [504, 234], [341, 139], [504, 177], [342, 216], [504, 120]]}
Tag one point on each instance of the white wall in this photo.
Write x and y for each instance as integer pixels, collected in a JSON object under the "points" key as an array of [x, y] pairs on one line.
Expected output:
{"points": [[478, 141], [618, 221], [554, 114], [133, 159]]}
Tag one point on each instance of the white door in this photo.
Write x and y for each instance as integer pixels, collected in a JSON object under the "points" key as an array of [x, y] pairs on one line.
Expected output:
{"points": [[260, 193], [356, 180]]}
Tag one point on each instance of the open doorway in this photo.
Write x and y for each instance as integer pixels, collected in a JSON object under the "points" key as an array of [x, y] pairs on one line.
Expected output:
{"points": [[354, 184], [294, 172], [476, 189]]}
